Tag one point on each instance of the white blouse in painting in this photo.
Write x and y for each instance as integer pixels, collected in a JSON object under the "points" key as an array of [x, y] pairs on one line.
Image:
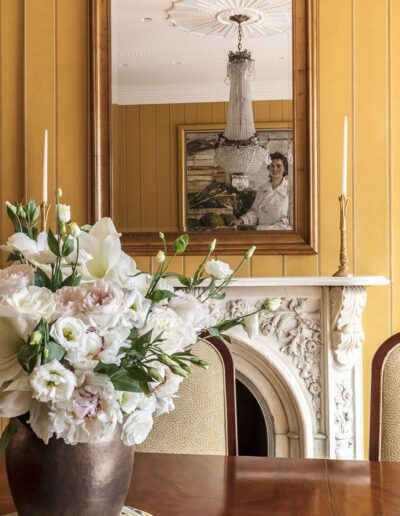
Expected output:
{"points": [[270, 209]]}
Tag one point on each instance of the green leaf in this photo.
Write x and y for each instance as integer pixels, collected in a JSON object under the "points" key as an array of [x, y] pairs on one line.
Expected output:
{"points": [[141, 342], [181, 243], [122, 381], [14, 219], [160, 295], [108, 369], [42, 280], [217, 295], [67, 247], [226, 337], [138, 373], [86, 228], [134, 334], [7, 435], [28, 357], [36, 214], [214, 332], [53, 243], [55, 351], [71, 281], [15, 257]]}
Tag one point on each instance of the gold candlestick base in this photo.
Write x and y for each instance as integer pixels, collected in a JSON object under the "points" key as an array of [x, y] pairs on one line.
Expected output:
{"points": [[44, 212], [344, 269]]}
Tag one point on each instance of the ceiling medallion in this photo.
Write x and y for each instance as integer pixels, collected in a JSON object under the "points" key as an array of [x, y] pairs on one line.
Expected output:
{"points": [[210, 18]]}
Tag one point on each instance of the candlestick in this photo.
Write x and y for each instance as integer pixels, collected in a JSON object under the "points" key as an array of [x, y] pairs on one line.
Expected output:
{"points": [[45, 165], [44, 212], [344, 168], [344, 269]]}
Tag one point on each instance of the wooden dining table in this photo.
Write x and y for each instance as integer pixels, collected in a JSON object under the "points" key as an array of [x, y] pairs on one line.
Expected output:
{"points": [[185, 485]]}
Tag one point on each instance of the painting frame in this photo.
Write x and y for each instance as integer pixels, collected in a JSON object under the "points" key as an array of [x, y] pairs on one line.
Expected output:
{"points": [[215, 130]]}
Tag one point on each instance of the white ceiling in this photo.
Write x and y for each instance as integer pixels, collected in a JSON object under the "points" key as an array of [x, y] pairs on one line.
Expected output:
{"points": [[156, 62]]}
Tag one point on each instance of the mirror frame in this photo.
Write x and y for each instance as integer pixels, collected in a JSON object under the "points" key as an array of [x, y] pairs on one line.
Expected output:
{"points": [[303, 240]]}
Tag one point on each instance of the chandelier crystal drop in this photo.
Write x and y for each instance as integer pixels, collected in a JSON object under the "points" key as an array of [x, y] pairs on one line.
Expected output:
{"points": [[239, 149]]}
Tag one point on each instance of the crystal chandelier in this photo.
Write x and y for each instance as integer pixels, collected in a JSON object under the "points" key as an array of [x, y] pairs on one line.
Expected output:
{"points": [[239, 150]]}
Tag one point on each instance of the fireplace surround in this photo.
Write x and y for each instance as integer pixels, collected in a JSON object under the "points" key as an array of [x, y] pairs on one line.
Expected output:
{"points": [[303, 363]]}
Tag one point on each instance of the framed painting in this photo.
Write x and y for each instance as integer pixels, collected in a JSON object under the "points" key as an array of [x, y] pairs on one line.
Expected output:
{"points": [[212, 200]]}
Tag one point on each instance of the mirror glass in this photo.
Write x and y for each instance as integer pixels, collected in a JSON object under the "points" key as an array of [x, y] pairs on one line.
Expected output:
{"points": [[184, 152]]}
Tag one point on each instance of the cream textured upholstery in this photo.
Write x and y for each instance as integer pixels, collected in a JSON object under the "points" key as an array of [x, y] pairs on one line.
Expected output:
{"points": [[390, 406], [198, 425]]}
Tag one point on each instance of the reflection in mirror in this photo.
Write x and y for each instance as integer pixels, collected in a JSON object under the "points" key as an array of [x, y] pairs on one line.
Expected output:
{"points": [[176, 104]]}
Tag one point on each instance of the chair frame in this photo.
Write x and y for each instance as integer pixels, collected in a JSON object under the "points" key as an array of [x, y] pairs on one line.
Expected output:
{"points": [[376, 373], [230, 388]]}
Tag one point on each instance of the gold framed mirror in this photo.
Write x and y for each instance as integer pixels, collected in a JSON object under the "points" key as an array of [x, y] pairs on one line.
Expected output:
{"points": [[299, 236]]}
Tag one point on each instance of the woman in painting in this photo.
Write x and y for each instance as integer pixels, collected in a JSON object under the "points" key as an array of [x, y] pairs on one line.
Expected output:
{"points": [[270, 209]]}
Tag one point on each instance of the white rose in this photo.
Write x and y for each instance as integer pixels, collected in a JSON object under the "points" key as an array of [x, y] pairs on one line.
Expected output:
{"points": [[103, 303], [130, 400], [92, 413], [52, 382], [190, 310], [15, 277], [69, 301], [272, 304], [63, 213], [136, 427], [178, 334], [218, 269], [87, 355]]}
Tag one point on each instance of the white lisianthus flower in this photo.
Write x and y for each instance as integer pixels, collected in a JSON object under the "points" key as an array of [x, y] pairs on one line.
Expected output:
{"points": [[165, 391], [36, 251], [178, 334], [160, 257], [75, 229], [103, 303], [52, 382], [251, 325], [137, 307], [136, 427], [15, 277], [112, 343], [130, 400], [189, 309], [92, 413], [69, 301], [63, 213], [103, 244], [218, 269], [272, 304], [69, 332]]}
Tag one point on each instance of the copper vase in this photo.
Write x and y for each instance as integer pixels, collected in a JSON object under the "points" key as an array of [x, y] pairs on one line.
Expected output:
{"points": [[62, 480]]}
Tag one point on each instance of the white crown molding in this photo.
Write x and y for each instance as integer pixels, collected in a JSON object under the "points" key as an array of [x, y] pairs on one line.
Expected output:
{"points": [[180, 94]]}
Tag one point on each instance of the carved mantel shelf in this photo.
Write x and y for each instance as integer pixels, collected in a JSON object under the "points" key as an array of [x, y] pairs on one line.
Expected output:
{"points": [[304, 360]]}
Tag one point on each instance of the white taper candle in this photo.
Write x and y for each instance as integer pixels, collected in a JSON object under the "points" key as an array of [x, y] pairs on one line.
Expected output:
{"points": [[344, 171], [45, 165]]}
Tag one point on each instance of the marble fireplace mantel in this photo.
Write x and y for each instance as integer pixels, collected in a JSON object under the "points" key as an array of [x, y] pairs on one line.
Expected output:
{"points": [[304, 361]]}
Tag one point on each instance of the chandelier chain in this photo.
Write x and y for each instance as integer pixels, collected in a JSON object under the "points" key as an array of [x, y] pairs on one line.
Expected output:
{"points": [[240, 36]]}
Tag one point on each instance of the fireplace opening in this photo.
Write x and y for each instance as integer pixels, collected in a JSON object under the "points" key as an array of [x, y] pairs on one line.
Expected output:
{"points": [[251, 427]]}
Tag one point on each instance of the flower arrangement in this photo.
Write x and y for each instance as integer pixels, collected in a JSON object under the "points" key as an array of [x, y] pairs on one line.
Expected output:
{"points": [[87, 341]]}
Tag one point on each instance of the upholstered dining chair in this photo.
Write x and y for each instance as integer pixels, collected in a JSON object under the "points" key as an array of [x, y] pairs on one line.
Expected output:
{"points": [[204, 420], [385, 402]]}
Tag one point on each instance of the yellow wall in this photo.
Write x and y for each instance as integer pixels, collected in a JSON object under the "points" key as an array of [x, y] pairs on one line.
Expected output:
{"points": [[145, 157], [359, 73]]}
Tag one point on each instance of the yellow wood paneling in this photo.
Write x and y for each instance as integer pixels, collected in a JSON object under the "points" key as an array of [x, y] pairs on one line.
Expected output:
{"points": [[394, 126], [148, 174], [264, 266], [176, 117], [163, 168], [133, 198]]}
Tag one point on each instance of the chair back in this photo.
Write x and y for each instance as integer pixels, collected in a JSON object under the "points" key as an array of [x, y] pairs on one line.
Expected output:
{"points": [[385, 402], [204, 420]]}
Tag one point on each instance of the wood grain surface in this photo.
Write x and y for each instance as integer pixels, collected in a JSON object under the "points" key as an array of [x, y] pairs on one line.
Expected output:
{"points": [[185, 485]]}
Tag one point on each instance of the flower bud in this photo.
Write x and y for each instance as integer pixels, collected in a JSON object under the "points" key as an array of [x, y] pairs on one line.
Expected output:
{"points": [[63, 213], [250, 253], [11, 207], [59, 193], [21, 212], [45, 353], [36, 338], [272, 304], [74, 229], [155, 373], [178, 370], [161, 235], [213, 245], [164, 359], [160, 258]]}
